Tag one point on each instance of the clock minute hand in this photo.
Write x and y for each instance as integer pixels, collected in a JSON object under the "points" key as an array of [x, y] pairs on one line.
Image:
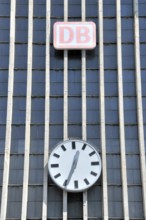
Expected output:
{"points": [[73, 167], [75, 160]]}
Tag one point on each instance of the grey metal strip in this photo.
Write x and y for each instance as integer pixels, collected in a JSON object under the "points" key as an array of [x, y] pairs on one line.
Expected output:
{"points": [[121, 113], [47, 111], [84, 108], [28, 113], [102, 111], [84, 125], [65, 95], [65, 116], [4, 197], [139, 104], [84, 120]]}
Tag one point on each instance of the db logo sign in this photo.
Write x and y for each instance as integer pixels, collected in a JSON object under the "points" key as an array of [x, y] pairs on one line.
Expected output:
{"points": [[74, 35]]}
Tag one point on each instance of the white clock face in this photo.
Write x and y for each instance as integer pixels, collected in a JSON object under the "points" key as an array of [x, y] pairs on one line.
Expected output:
{"points": [[74, 165]]}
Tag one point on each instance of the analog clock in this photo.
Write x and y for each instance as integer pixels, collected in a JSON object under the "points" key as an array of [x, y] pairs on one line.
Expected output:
{"points": [[74, 165]]}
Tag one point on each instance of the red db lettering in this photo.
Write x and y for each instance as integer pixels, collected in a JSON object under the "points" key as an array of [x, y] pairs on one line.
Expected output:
{"points": [[83, 35], [66, 34]]}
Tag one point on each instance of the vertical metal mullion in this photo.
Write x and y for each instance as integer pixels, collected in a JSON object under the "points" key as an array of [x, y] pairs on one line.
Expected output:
{"points": [[84, 114], [65, 133], [102, 111], [47, 111], [9, 112], [28, 113], [84, 125], [65, 95], [121, 113], [84, 107], [65, 117], [139, 104]]}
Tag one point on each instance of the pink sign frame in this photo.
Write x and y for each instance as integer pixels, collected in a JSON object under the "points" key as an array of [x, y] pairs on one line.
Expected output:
{"points": [[74, 35]]}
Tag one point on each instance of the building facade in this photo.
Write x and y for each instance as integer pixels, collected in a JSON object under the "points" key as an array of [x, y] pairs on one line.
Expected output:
{"points": [[48, 95]]}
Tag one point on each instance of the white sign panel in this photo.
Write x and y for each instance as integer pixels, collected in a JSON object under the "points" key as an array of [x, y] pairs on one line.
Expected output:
{"points": [[74, 35]]}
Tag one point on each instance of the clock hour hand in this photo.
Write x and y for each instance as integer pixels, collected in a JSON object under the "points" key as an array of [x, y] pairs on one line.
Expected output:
{"points": [[73, 167]]}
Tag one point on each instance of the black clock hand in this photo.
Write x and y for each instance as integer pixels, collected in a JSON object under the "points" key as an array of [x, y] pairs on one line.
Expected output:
{"points": [[73, 167]]}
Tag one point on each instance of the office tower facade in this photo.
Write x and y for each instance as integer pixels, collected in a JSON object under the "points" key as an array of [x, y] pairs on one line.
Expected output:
{"points": [[48, 96]]}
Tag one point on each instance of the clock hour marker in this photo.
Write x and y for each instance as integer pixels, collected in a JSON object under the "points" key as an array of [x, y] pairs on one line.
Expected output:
{"points": [[86, 181], [57, 175], [93, 173], [84, 146], [95, 163], [56, 155], [76, 184], [63, 148], [73, 145], [54, 165], [65, 183], [92, 153]]}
